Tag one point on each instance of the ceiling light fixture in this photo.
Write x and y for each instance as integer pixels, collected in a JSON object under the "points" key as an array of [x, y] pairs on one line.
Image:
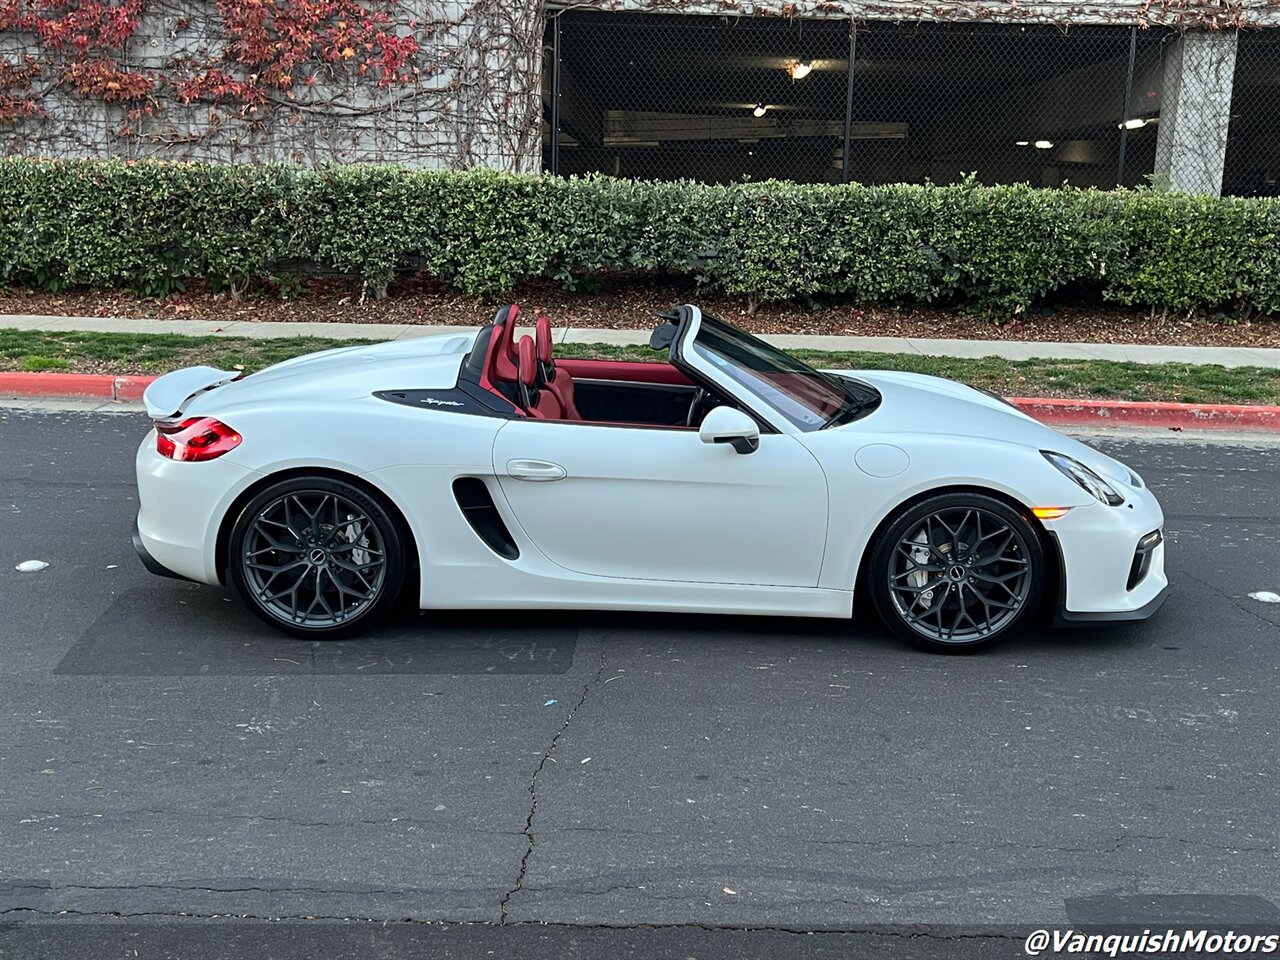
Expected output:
{"points": [[799, 69], [760, 110], [1137, 123], [1022, 143], [1044, 144]]}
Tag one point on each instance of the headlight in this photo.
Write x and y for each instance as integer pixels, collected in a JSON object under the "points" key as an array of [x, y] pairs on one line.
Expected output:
{"points": [[1085, 478]]}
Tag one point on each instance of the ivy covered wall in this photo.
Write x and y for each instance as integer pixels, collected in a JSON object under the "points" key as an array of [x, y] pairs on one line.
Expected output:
{"points": [[450, 85]]}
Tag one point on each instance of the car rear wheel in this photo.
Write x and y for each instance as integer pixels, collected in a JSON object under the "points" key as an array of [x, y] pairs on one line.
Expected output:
{"points": [[317, 557], [957, 572]]}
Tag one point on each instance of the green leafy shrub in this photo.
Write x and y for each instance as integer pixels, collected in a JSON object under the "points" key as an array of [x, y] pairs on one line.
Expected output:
{"points": [[152, 226], [1181, 251]]}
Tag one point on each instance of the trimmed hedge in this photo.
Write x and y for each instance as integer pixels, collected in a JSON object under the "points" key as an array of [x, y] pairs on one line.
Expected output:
{"points": [[151, 225]]}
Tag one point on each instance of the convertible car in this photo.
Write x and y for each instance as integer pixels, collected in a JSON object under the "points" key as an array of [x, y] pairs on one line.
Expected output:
{"points": [[478, 470]]}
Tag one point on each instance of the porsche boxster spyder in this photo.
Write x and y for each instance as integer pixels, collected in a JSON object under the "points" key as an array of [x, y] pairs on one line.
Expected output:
{"points": [[478, 470]]}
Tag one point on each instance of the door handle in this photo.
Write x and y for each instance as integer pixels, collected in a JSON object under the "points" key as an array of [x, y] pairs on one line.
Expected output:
{"points": [[535, 470]]}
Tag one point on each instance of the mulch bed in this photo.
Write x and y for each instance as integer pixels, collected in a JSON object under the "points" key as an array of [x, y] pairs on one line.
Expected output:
{"points": [[629, 304]]}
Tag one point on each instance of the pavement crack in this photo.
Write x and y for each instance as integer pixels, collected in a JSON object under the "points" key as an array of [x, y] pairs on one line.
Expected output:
{"points": [[1236, 602], [530, 839], [213, 888], [1129, 838], [264, 818], [183, 915]]}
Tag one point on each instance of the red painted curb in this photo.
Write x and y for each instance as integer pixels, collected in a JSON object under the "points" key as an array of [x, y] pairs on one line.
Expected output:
{"points": [[74, 385], [1174, 416], [1208, 416], [130, 388], [57, 385]]}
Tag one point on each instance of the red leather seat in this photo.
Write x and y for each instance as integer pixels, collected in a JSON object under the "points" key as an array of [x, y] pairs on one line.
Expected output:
{"points": [[556, 381], [538, 403]]}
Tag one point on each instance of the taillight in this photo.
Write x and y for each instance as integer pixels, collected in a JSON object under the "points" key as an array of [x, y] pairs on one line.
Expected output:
{"points": [[200, 438]]}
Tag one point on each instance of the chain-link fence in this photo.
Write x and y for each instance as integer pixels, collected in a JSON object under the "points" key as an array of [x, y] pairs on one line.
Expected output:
{"points": [[711, 98], [1252, 167], [721, 99]]}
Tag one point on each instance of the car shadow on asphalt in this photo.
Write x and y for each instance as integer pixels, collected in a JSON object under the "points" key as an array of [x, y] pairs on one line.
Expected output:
{"points": [[182, 629], [179, 629]]}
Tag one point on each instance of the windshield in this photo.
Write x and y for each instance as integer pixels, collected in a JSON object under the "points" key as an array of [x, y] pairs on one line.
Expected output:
{"points": [[806, 397]]}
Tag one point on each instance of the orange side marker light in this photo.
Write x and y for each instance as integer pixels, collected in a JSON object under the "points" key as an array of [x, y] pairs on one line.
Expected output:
{"points": [[1050, 513]]}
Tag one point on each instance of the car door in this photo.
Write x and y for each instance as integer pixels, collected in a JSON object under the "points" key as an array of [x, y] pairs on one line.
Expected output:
{"points": [[659, 504]]}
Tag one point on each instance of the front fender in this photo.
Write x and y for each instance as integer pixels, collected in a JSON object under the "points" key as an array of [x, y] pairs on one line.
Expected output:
{"points": [[861, 503]]}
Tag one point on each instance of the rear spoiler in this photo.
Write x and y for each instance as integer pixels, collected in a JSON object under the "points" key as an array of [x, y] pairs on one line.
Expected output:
{"points": [[168, 395]]}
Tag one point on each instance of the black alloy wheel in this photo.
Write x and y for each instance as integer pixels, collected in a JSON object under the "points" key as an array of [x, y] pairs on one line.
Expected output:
{"points": [[957, 572], [317, 557]]}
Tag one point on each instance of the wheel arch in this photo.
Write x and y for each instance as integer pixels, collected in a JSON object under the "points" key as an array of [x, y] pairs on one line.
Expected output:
{"points": [[1054, 586], [222, 544]]}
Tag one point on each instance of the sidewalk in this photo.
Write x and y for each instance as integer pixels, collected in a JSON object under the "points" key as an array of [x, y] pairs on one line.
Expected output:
{"points": [[1008, 349]]}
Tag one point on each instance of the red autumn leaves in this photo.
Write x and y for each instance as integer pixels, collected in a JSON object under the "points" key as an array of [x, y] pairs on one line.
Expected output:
{"points": [[270, 45]]}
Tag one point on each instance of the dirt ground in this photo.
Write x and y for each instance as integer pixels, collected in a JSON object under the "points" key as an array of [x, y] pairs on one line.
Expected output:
{"points": [[629, 304]]}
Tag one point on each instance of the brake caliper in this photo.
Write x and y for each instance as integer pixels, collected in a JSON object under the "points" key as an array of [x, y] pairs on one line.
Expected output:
{"points": [[919, 577]]}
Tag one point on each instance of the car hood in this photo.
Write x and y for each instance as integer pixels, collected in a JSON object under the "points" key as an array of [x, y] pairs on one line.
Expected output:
{"points": [[917, 403], [343, 373]]}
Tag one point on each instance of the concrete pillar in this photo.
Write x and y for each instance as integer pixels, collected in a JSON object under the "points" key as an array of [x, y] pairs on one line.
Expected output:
{"points": [[1195, 110]]}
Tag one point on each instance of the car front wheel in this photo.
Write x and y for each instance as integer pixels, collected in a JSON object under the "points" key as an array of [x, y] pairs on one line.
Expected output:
{"points": [[316, 557], [957, 572]]}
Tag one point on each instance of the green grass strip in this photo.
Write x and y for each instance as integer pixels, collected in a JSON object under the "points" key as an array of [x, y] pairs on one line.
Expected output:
{"points": [[125, 353]]}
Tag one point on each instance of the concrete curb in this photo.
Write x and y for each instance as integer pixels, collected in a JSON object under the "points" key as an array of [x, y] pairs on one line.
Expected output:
{"points": [[72, 385], [1171, 416]]}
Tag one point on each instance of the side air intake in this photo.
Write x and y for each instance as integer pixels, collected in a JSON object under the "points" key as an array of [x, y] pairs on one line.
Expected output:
{"points": [[478, 507]]}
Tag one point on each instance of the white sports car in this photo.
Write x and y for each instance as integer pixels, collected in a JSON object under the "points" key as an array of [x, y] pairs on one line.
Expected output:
{"points": [[478, 471]]}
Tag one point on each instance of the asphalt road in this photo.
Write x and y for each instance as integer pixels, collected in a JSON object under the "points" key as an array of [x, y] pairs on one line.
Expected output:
{"points": [[616, 785]]}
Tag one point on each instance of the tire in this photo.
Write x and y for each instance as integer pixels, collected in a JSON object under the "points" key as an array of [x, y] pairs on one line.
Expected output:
{"points": [[984, 556], [317, 557]]}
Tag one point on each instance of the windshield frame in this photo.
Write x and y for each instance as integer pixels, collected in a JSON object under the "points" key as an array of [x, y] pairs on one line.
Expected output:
{"points": [[801, 413]]}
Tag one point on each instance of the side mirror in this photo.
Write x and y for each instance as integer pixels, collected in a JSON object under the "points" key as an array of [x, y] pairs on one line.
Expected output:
{"points": [[731, 426]]}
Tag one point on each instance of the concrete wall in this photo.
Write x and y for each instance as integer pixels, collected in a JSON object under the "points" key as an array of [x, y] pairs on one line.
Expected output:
{"points": [[1195, 111]]}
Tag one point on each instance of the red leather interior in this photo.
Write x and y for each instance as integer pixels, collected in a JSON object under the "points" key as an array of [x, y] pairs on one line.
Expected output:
{"points": [[555, 379], [543, 340], [623, 370], [548, 383], [502, 348], [540, 404], [562, 387], [528, 371]]}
